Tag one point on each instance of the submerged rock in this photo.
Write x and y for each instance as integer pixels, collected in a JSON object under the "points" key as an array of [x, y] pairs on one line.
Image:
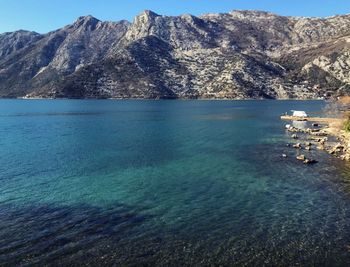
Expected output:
{"points": [[310, 161], [297, 145], [295, 136], [301, 157]]}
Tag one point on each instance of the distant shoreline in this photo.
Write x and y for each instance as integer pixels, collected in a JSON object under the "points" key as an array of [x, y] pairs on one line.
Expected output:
{"points": [[170, 99]]}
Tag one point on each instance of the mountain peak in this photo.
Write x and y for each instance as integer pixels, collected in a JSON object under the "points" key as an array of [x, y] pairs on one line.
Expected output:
{"points": [[86, 20], [20, 32], [149, 13], [145, 17]]}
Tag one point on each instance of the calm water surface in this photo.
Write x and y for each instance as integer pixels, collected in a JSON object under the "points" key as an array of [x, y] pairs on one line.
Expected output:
{"points": [[85, 182]]}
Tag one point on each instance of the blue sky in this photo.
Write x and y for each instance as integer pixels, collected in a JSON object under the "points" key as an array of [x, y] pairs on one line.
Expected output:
{"points": [[46, 15]]}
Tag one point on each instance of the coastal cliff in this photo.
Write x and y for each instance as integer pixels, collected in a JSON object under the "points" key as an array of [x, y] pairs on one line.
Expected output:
{"points": [[237, 55]]}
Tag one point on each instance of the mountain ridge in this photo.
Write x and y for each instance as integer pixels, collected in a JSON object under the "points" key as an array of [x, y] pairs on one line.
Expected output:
{"points": [[235, 55]]}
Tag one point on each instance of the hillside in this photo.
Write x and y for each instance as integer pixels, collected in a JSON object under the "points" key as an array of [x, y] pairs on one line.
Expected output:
{"points": [[241, 54]]}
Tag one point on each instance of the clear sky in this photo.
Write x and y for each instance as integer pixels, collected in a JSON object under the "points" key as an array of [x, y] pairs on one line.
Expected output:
{"points": [[46, 15]]}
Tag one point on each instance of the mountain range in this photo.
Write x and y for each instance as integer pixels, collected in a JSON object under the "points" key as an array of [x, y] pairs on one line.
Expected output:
{"points": [[236, 55]]}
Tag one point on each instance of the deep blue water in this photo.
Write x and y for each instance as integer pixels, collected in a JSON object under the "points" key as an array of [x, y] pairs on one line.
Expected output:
{"points": [[104, 182]]}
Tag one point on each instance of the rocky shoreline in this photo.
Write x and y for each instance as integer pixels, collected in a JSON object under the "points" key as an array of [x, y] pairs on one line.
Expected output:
{"points": [[329, 137]]}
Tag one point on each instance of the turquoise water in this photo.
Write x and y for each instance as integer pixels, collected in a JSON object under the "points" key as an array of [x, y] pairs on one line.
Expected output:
{"points": [[103, 182]]}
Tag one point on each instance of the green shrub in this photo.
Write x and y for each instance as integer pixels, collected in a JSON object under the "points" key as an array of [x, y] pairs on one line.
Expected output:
{"points": [[347, 125]]}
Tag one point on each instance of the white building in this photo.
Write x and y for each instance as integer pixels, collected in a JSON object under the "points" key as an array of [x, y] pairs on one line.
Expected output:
{"points": [[299, 113]]}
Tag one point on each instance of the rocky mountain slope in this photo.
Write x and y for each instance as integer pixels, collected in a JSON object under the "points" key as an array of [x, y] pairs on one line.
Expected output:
{"points": [[242, 54]]}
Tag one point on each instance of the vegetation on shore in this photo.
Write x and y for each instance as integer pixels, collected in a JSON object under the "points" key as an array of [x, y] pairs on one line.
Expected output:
{"points": [[347, 125], [344, 103]]}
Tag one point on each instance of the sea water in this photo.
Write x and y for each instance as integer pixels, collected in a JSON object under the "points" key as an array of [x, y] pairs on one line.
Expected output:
{"points": [[131, 182]]}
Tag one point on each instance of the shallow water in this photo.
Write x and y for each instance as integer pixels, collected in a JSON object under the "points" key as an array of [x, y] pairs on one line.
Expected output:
{"points": [[93, 182]]}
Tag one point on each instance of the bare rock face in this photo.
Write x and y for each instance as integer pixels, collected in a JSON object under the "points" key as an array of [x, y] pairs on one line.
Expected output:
{"points": [[46, 62], [238, 55], [11, 42]]}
